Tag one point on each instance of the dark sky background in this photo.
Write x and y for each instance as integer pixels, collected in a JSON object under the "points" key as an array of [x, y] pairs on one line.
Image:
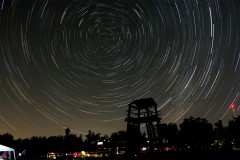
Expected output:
{"points": [[79, 63]]}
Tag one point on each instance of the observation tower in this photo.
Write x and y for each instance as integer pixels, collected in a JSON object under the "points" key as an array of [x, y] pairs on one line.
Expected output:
{"points": [[142, 111]]}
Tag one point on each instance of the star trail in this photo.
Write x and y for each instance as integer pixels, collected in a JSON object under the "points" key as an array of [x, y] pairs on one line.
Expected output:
{"points": [[79, 63]]}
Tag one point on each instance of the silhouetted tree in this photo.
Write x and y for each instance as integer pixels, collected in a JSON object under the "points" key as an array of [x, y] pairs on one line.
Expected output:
{"points": [[55, 144], [67, 131], [92, 137], [7, 139], [19, 145], [72, 142], [36, 147], [169, 134], [234, 131], [163, 132], [219, 134], [219, 129], [118, 139], [91, 140], [196, 133]]}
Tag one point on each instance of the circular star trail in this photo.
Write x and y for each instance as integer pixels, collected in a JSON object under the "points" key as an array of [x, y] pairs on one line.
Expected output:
{"points": [[79, 63]]}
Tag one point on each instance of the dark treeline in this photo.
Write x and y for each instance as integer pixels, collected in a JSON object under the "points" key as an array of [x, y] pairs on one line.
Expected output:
{"points": [[192, 134]]}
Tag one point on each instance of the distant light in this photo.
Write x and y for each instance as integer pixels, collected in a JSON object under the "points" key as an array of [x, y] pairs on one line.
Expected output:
{"points": [[232, 106], [99, 143], [144, 148], [83, 153]]}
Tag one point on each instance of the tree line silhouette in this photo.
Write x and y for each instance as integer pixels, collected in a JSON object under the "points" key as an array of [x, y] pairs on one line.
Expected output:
{"points": [[193, 134]]}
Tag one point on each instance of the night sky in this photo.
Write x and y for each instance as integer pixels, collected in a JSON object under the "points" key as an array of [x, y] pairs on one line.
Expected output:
{"points": [[78, 63]]}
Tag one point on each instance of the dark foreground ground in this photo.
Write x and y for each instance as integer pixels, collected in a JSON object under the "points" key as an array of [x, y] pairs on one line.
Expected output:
{"points": [[168, 155], [179, 155]]}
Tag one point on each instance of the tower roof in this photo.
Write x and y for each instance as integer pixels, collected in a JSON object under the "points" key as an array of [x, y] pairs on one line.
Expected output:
{"points": [[143, 103]]}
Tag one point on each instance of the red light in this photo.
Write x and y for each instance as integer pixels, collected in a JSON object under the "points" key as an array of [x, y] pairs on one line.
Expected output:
{"points": [[4, 155], [232, 106]]}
